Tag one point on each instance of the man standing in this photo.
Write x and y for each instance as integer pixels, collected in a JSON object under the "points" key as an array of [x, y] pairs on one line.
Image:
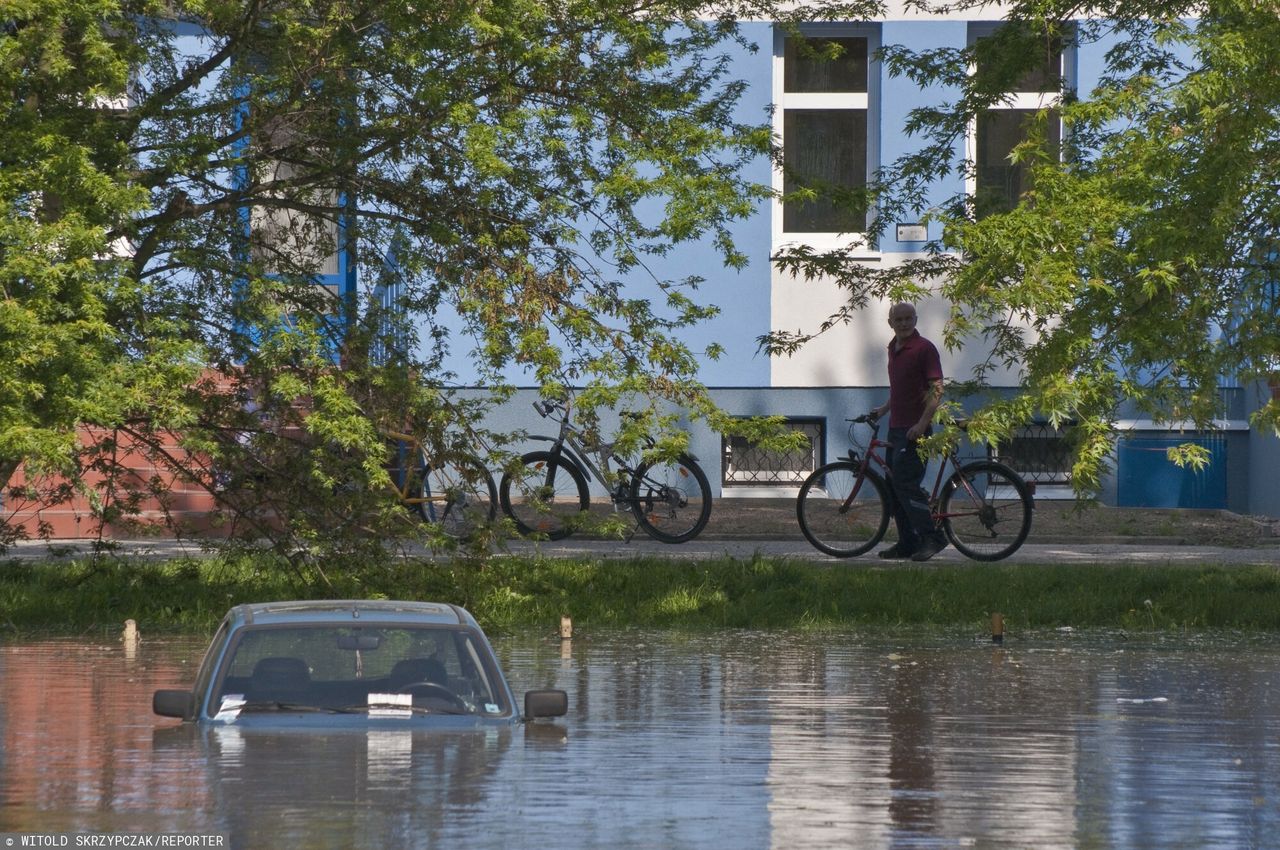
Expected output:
{"points": [[915, 391]]}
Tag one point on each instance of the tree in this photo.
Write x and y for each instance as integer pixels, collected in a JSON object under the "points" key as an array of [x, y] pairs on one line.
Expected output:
{"points": [[177, 177], [64, 180], [1139, 265]]}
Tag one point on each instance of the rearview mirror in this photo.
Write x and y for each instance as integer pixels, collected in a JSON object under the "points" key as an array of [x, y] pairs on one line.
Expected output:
{"points": [[172, 703], [545, 703], [359, 642]]}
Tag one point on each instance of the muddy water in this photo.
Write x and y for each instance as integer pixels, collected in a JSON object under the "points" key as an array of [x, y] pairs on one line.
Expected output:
{"points": [[737, 739]]}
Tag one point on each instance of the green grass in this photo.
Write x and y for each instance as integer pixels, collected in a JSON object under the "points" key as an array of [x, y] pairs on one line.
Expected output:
{"points": [[192, 594]]}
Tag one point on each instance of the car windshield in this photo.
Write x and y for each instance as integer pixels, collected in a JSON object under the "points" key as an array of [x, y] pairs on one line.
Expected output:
{"points": [[379, 670]]}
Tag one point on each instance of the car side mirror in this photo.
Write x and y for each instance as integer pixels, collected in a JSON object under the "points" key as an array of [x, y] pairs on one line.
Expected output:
{"points": [[545, 703], [172, 703]]}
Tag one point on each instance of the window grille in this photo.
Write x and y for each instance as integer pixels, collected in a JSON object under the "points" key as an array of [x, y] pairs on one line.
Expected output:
{"points": [[1039, 453], [747, 465]]}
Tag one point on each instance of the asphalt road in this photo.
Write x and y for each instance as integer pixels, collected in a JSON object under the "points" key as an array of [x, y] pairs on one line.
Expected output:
{"points": [[1054, 553], [703, 548]]}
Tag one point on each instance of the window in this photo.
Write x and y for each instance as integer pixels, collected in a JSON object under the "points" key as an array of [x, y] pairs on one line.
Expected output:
{"points": [[1045, 58], [826, 150], [808, 70], [997, 183], [1039, 453], [747, 465], [825, 127], [284, 237], [338, 666]]}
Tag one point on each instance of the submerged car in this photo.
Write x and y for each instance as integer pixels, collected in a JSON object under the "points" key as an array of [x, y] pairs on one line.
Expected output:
{"points": [[352, 663]]}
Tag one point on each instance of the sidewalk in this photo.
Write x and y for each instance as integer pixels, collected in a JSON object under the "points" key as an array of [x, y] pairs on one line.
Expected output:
{"points": [[1154, 554], [743, 528], [717, 546], [1054, 522]]}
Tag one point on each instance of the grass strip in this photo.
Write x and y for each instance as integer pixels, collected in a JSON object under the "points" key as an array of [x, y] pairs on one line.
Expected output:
{"points": [[191, 595]]}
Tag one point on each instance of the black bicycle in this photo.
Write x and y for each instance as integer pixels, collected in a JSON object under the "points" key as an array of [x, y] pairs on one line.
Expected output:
{"points": [[844, 507], [547, 494]]}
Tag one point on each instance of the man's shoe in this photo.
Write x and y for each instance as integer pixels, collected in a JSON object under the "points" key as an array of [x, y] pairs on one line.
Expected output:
{"points": [[930, 547], [896, 552]]}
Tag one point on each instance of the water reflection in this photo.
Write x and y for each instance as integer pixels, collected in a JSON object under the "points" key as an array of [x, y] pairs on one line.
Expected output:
{"points": [[744, 739], [384, 788]]}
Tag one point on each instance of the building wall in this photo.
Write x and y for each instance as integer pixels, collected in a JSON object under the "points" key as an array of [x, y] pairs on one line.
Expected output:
{"points": [[843, 373], [1264, 462], [833, 406], [62, 511], [743, 296]]}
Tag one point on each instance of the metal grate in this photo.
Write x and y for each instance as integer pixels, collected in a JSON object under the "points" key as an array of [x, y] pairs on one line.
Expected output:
{"points": [[747, 465], [1038, 452]]}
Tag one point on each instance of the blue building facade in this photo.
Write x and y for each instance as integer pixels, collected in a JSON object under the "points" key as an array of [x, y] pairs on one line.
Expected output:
{"points": [[844, 124]]}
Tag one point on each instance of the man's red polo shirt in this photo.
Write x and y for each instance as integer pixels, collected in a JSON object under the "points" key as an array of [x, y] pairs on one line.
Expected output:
{"points": [[911, 368]]}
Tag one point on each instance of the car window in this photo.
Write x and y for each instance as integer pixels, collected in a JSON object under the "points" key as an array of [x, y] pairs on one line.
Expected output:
{"points": [[209, 663], [341, 665]]}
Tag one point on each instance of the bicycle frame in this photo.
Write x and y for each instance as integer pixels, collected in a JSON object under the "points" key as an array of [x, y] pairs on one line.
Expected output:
{"points": [[569, 443], [670, 498], [983, 507], [452, 491], [412, 457], [949, 461]]}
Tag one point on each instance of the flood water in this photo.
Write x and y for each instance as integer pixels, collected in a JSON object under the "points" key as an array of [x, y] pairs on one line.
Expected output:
{"points": [[736, 739]]}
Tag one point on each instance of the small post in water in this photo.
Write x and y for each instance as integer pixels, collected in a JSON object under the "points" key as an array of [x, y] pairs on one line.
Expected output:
{"points": [[566, 628], [997, 628]]}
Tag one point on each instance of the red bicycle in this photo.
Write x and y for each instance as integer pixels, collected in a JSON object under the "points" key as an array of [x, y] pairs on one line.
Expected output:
{"points": [[844, 507]]}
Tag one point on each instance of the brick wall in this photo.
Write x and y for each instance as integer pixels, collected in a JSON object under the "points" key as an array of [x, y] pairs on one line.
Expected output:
{"points": [[188, 505]]}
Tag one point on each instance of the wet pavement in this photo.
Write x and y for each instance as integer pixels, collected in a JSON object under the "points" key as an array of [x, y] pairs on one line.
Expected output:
{"points": [[1030, 553], [1151, 552]]}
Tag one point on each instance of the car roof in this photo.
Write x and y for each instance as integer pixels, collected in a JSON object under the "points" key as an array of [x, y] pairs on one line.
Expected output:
{"points": [[343, 611]]}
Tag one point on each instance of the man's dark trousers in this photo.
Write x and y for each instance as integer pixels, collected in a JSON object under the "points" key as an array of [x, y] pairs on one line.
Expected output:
{"points": [[910, 501]]}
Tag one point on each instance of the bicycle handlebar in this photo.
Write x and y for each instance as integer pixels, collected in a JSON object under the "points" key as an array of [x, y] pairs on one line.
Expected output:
{"points": [[546, 408]]}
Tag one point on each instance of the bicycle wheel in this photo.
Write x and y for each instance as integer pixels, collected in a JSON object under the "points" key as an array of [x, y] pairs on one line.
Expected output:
{"points": [[833, 523], [546, 496], [986, 510], [458, 495], [671, 499]]}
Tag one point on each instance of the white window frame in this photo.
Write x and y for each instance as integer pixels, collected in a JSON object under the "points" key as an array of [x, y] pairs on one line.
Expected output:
{"points": [[1013, 100], [868, 101]]}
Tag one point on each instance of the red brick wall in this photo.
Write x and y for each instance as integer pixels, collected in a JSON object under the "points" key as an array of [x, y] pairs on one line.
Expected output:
{"points": [[188, 504]]}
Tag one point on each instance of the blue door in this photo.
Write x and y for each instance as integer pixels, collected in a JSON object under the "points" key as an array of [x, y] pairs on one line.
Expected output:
{"points": [[1146, 478]]}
